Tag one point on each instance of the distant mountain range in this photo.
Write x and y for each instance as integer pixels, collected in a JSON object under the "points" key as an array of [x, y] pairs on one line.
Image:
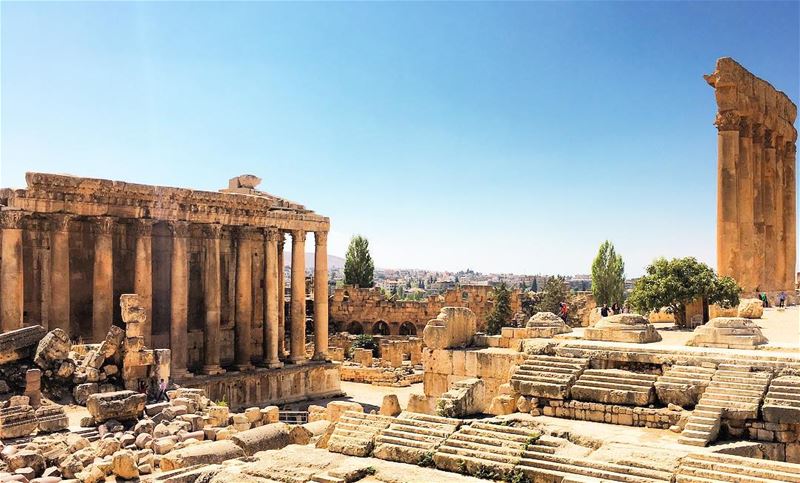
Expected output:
{"points": [[334, 262]]}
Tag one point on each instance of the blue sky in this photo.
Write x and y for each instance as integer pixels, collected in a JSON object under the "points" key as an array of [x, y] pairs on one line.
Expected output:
{"points": [[507, 137]]}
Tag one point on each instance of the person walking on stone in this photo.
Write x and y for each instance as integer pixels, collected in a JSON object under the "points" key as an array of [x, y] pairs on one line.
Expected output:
{"points": [[564, 310], [782, 299], [162, 391]]}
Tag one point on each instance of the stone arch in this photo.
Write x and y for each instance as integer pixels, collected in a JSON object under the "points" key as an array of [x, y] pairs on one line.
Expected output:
{"points": [[380, 328], [355, 328], [408, 328]]}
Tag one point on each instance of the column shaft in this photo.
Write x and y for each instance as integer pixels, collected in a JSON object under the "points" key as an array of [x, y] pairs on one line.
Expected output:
{"points": [[770, 238], [727, 217], [790, 214], [143, 273], [748, 278], [60, 273], [212, 299], [103, 278], [779, 263], [281, 298], [179, 299], [297, 344], [11, 271], [758, 205], [320, 296], [244, 300], [271, 318]]}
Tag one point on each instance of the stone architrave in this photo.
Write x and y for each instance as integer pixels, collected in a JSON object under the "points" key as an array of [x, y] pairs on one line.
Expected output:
{"points": [[623, 328], [454, 327]]}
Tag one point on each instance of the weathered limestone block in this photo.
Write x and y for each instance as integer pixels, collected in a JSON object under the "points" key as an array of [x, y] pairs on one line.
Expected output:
{"points": [[33, 386], [546, 324], [502, 405], [363, 357], [124, 465], [17, 421], [683, 385], [53, 347], [464, 398], [751, 308], [420, 403], [729, 333], [335, 409], [390, 405], [66, 369], [132, 309], [113, 342], [207, 454], [119, 405], [26, 458], [782, 402], [615, 386], [454, 327], [623, 328], [218, 415], [270, 414], [20, 343], [51, 418]]}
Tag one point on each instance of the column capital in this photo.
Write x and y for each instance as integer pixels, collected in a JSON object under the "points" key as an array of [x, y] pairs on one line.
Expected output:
{"points": [[60, 222], [298, 235], [727, 121], [745, 128], [757, 133], [212, 231], [246, 232], [103, 225], [272, 234], [320, 238], [12, 219], [143, 227], [179, 229], [768, 135]]}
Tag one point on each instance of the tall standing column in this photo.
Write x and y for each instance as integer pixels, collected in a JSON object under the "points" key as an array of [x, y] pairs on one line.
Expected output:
{"points": [[271, 302], [757, 134], [297, 346], [143, 273], [320, 296], [281, 298], [790, 213], [744, 208], [103, 277], [244, 299], [779, 263], [11, 271], [179, 299], [770, 238], [60, 273], [727, 217], [212, 298]]}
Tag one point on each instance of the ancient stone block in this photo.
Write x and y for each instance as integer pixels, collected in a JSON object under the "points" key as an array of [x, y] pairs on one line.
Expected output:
{"points": [[33, 385], [262, 438], [20, 343], [51, 418], [464, 398], [207, 454], [751, 308], [120, 405], [17, 421], [390, 405], [623, 328], [546, 324], [729, 333], [454, 327], [53, 347]]}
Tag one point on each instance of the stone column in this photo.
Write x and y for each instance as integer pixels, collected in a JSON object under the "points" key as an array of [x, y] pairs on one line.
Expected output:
{"points": [[59, 273], [143, 273], [271, 301], [297, 346], [744, 207], [790, 213], [103, 277], [281, 298], [770, 238], [779, 263], [212, 299], [244, 299], [320, 296], [179, 300], [11, 271], [727, 214], [757, 134]]}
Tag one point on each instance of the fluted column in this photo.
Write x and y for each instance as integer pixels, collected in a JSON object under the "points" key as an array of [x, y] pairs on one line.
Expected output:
{"points": [[143, 273], [297, 346], [103, 277], [320, 296], [11, 273], [727, 217], [779, 262], [179, 299], [212, 299], [770, 235], [744, 207], [281, 298], [757, 135], [60, 272], [271, 302], [790, 213], [244, 299]]}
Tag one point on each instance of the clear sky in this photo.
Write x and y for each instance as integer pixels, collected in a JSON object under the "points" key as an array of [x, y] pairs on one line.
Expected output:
{"points": [[506, 137]]}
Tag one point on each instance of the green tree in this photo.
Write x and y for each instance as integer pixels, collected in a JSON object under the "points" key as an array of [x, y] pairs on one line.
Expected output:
{"points": [[554, 292], [672, 284], [359, 269], [400, 292], [608, 275], [534, 285], [501, 312]]}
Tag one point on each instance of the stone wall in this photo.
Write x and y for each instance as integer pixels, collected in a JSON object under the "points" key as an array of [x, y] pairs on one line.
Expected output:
{"points": [[661, 418]]}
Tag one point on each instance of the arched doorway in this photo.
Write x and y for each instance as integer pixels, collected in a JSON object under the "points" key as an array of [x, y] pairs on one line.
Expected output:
{"points": [[407, 328], [355, 328], [380, 328]]}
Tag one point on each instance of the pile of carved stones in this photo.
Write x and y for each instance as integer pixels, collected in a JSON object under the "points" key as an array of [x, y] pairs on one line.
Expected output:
{"points": [[84, 369]]}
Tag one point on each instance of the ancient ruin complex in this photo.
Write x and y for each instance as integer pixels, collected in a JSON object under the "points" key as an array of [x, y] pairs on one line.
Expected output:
{"points": [[756, 182]]}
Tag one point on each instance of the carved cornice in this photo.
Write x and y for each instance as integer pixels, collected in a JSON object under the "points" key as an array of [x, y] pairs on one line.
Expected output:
{"points": [[320, 238], [768, 138], [103, 225], [179, 229], [212, 231], [143, 227], [758, 133], [745, 130], [298, 236], [727, 121], [12, 219]]}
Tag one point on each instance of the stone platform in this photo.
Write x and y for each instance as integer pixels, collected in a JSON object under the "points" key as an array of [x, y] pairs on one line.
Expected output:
{"points": [[262, 386]]}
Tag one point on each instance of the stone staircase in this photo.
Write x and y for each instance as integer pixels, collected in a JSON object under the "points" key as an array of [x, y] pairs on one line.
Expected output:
{"points": [[540, 464], [479, 448], [548, 376], [735, 392], [782, 402], [413, 437], [355, 433], [683, 385], [615, 386], [718, 467]]}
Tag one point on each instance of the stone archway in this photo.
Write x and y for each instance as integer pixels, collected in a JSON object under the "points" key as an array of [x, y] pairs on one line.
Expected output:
{"points": [[408, 328], [355, 328], [380, 328]]}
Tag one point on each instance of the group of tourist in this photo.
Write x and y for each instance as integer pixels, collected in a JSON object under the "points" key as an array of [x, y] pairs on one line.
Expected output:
{"points": [[615, 309], [780, 300]]}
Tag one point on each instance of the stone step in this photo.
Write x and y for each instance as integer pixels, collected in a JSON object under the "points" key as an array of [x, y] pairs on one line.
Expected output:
{"points": [[612, 379], [789, 403], [558, 359], [692, 370], [621, 374], [784, 394], [673, 379], [693, 441], [428, 418], [761, 464], [385, 438], [431, 432], [456, 463], [513, 450], [721, 476], [486, 438], [707, 409], [730, 405], [553, 377], [486, 456], [594, 469], [727, 396], [737, 470], [412, 438], [550, 366], [611, 386], [505, 430]]}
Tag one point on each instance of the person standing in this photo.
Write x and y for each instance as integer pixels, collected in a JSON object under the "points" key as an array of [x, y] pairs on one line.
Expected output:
{"points": [[564, 311], [615, 308], [604, 311], [782, 299]]}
